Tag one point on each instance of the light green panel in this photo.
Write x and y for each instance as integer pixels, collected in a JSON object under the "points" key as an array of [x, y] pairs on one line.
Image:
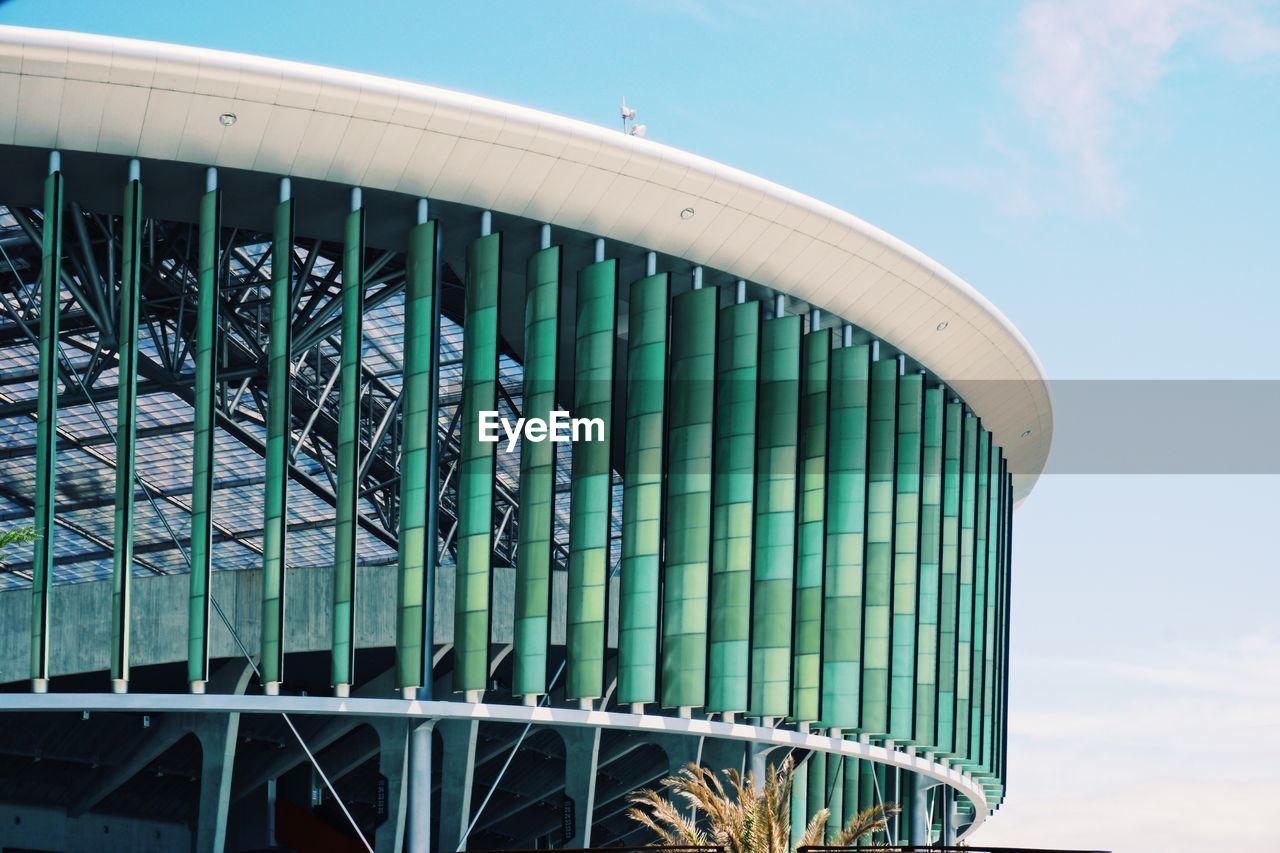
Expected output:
{"points": [[949, 578], [878, 592], [980, 556], [846, 496], [537, 476], [46, 427], [799, 803], [279, 360], [816, 789], [994, 527], [639, 593], [927, 596], [834, 796], [202, 459], [852, 784], [591, 489], [964, 600], [733, 506], [777, 439], [811, 485], [476, 468], [126, 427], [906, 557], [418, 536], [686, 569], [344, 534]]}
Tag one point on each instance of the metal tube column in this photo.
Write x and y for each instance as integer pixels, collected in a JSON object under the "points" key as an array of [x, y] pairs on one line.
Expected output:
{"points": [[276, 489], [344, 567], [126, 431], [46, 425], [202, 461]]}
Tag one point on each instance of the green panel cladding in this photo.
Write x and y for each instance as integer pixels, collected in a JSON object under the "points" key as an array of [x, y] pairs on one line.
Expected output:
{"points": [[640, 572], [811, 488], [994, 504], [476, 466], [535, 548], [46, 427], [978, 644], [964, 599], [591, 486], [129, 298], [846, 497], [777, 447], [275, 496], [733, 506], [906, 554], [687, 559], [202, 457], [878, 591], [834, 796], [418, 552], [342, 670], [949, 579], [927, 593]]}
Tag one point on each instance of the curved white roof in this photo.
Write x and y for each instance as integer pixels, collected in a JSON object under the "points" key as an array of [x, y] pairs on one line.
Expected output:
{"points": [[74, 91]]}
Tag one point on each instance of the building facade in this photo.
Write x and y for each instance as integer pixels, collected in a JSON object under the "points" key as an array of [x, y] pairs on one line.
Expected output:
{"points": [[295, 582]]}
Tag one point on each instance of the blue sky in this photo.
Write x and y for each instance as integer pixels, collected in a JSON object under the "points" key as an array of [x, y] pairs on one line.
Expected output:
{"points": [[1105, 172]]}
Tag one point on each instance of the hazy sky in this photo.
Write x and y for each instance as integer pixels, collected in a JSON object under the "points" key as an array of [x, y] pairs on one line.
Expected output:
{"points": [[1107, 173]]}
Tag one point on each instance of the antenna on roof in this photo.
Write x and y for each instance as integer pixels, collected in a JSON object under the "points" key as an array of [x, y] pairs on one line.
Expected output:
{"points": [[629, 115]]}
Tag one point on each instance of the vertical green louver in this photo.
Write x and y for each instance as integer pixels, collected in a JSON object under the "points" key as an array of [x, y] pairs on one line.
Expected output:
{"points": [[834, 796], [906, 559], [775, 536], [811, 487], [964, 600], [978, 645], [476, 467], [733, 506], [202, 458], [591, 488], [46, 428], [846, 497], [994, 544], [126, 429], [877, 595], [949, 579], [344, 534], [418, 497], [642, 491], [537, 476], [816, 789], [927, 596], [277, 481], [852, 778], [799, 803], [686, 564]]}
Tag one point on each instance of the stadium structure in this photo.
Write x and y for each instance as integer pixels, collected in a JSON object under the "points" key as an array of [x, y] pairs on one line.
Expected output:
{"points": [[252, 316]]}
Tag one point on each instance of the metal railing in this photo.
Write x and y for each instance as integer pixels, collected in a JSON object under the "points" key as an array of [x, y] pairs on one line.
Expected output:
{"points": [[936, 848]]}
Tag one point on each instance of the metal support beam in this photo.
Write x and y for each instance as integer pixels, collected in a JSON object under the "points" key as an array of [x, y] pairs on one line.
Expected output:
{"points": [[126, 428], [418, 778], [46, 427]]}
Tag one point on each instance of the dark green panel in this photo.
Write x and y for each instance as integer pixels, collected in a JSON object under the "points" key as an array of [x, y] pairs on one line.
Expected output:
{"points": [[964, 623], [687, 561], [906, 558], [476, 467], [949, 579], [418, 537], [846, 497], [927, 595], [994, 512], [978, 645], [126, 427], [537, 476], [46, 429], [279, 359], [642, 491], [344, 535], [877, 595], [591, 488], [733, 503], [202, 458], [811, 535], [777, 441]]}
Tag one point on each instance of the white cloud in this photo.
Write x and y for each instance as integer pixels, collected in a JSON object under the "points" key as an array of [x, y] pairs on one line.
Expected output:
{"points": [[1081, 64]]}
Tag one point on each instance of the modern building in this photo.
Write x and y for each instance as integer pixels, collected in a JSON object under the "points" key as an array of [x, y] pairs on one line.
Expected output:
{"points": [[254, 318]]}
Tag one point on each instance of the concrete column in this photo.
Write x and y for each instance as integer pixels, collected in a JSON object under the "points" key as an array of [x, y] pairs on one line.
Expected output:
{"points": [[947, 809], [581, 754], [418, 819], [758, 763], [457, 775], [218, 734], [393, 763]]}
